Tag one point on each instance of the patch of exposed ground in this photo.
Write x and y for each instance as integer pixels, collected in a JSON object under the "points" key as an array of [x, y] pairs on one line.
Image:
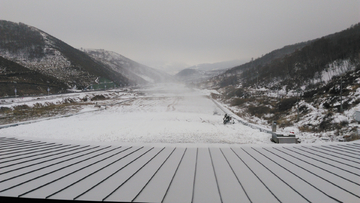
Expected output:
{"points": [[24, 113]]}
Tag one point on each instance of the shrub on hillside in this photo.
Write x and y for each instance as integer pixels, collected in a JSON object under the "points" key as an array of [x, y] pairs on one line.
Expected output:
{"points": [[98, 97], [239, 101], [259, 111], [236, 92], [286, 104], [309, 94]]}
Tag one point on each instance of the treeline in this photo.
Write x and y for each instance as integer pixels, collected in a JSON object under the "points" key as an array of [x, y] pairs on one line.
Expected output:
{"points": [[267, 58], [305, 64], [25, 81], [17, 37]]}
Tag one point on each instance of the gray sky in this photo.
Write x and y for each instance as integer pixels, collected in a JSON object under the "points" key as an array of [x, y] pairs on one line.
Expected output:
{"points": [[184, 31]]}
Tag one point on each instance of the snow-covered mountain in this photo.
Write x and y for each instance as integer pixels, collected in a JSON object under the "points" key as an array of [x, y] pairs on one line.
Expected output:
{"points": [[303, 65], [43, 53], [136, 72], [310, 87]]}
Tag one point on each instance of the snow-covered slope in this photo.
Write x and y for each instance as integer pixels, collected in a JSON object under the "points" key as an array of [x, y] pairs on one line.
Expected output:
{"points": [[312, 88], [49, 61], [43, 53], [309, 64], [134, 71]]}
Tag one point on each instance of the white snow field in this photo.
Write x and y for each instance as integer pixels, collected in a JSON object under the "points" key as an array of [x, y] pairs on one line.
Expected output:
{"points": [[68, 168], [166, 113]]}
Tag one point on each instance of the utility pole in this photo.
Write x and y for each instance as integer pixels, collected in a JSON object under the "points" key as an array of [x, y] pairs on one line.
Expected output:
{"points": [[341, 103], [15, 88], [297, 105]]}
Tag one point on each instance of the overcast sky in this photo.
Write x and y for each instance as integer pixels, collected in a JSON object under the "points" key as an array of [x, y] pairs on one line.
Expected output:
{"points": [[196, 31]]}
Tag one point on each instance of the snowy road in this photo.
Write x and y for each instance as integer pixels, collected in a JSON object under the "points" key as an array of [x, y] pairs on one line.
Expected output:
{"points": [[166, 113]]}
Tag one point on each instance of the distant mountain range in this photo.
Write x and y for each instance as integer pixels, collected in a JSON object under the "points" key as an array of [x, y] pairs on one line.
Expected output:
{"points": [[205, 71], [171, 68], [190, 75], [68, 67], [217, 66], [175, 67]]}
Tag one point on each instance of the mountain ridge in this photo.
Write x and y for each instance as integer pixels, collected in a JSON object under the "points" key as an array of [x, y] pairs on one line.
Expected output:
{"points": [[311, 89], [296, 65], [41, 52], [136, 72]]}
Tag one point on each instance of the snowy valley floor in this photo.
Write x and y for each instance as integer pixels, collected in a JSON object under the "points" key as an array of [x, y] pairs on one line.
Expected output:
{"points": [[168, 113]]}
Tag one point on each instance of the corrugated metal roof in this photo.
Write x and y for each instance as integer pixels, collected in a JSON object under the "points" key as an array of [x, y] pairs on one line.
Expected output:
{"points": [[271, 173]]}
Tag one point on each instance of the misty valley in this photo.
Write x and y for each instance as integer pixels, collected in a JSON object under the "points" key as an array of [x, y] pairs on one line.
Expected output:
{"points": [[309, 90]]}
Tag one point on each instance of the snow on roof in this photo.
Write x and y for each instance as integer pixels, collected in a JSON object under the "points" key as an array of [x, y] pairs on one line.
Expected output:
{"points": [[167, 173]]}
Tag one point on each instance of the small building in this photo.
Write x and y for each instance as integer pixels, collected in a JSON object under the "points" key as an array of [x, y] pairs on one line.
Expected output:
{"points": [[284, 139]]}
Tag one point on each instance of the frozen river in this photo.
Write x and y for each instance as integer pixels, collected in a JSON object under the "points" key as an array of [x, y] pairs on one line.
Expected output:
{"points": [[167, 113]]}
